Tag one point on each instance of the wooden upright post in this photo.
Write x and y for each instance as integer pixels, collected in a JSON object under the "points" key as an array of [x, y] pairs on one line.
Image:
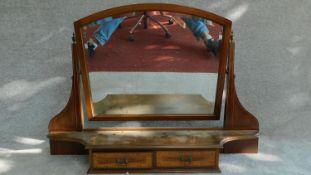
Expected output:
{"points": [[236, 116], [71, 117]]}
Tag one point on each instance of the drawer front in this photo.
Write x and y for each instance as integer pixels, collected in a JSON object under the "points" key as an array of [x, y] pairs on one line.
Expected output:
{"points": [[122, 160], [188, 159]]}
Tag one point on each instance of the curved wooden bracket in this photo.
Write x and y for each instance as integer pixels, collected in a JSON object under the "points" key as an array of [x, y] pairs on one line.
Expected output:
{"points": [[71, 117], [236, 116]]}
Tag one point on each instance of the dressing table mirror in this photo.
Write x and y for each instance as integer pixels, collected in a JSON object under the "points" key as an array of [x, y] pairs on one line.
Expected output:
{"points": [[152, 65], [153, 62]]}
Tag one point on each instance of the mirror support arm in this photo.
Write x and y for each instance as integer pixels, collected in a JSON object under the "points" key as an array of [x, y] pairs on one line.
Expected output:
{"points": [[236, 116], [71, 117]]}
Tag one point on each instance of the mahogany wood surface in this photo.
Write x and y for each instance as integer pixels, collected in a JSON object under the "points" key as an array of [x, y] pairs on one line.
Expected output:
{"points": [[157, 139], [154, 161], [241, 146], [154, 117], [236, 116], [121, 160], [58, 147], [71, 117], [187, 159], [156, 171]]}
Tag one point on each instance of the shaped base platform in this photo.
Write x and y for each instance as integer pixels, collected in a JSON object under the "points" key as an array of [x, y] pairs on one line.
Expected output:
{"points": [[151, 151]]}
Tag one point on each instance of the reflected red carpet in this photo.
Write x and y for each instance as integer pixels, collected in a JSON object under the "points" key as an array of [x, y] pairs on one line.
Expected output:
{"points": [[152, 52]]}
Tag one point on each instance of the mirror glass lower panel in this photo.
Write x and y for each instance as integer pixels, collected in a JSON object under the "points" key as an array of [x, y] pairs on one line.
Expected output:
{"points": [[152, 63]]}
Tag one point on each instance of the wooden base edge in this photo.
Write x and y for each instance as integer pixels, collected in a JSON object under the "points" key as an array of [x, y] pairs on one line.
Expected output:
{"points": [[241, 146], [66, 148], [139, 171]]}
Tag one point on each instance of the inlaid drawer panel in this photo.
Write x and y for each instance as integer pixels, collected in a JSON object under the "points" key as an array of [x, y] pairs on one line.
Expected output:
{"points": [[182, 159], [122, 160]]}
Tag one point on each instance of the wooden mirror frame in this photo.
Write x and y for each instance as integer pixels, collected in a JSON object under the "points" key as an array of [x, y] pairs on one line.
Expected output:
{"points": [[227, 24]]}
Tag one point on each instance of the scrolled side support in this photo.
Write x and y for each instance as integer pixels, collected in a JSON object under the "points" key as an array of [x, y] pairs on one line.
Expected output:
{"points": [[236, 116]]}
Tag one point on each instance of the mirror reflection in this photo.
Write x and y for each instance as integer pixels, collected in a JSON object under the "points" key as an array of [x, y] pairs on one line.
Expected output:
{"points": [[152, 63]]}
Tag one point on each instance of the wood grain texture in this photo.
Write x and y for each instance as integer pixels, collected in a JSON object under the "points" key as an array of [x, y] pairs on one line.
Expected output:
{"points": [[236, 116], [187, 159], [70, 118], [157, 139], [121, 160], [154, 171], [241, 146], [58, 147]]}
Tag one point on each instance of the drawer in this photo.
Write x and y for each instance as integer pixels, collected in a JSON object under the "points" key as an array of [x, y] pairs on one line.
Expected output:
{"points": [[188, 159], [121, 160]]}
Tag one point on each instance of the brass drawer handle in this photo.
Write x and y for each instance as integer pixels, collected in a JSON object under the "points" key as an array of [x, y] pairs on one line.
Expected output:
{"points": [[122, 161], [185, 159]]}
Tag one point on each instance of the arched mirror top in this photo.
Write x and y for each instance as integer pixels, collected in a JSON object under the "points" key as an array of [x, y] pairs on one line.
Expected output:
{"points": [[153, 7]]}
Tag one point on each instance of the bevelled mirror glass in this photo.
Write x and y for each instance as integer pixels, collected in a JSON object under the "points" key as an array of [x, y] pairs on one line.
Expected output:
{"points": [[153, 65]]}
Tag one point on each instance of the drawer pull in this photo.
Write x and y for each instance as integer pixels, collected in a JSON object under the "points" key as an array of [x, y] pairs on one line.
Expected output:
{"points": [[185, 159], [122, 161]]}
